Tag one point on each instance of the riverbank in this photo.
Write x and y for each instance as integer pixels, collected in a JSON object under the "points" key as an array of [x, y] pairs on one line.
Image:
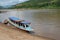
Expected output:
{"points": [[12, 33], [27, 9]]}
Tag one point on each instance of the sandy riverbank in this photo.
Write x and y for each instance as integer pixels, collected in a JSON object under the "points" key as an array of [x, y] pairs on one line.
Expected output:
{"points": [[12, 33]]}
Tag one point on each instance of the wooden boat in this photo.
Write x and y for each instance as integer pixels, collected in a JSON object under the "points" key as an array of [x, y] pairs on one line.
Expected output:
{"points": [[24, 25]]}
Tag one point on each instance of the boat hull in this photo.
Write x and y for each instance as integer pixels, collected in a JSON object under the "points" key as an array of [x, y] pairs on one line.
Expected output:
{"points": [[20, 27]]}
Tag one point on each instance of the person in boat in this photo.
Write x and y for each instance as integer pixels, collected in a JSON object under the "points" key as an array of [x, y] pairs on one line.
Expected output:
{"points": [[25, 24]]}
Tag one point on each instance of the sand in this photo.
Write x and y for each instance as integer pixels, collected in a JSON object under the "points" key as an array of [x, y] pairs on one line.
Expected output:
{"points": [[13, 33]]}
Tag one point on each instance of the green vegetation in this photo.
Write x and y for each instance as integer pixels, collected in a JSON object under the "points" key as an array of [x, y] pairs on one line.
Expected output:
{"points": [[35, 4]]}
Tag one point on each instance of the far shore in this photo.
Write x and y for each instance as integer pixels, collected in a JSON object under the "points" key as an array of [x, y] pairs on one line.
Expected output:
{"points": [[28, 9]]}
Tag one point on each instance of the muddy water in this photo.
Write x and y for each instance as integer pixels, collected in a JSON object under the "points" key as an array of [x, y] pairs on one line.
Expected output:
{"points": [[45, 22]]}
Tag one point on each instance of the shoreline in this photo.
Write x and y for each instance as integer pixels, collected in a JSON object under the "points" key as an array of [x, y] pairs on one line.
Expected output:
{"points": [[14, 33], [30, 9]]}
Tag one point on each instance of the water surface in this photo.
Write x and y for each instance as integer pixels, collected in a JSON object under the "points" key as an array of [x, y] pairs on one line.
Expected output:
{"points": [[45, 22]]}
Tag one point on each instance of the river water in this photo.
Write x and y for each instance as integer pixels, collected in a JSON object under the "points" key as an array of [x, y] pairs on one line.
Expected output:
{"points": [[45, 22]]}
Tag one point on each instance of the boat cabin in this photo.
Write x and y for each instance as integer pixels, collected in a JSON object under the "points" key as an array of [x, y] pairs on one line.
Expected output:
{"points": [[20, 22]]}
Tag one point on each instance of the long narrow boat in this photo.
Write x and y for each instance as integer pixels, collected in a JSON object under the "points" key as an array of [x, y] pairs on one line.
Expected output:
{"points": [[25, 25]]}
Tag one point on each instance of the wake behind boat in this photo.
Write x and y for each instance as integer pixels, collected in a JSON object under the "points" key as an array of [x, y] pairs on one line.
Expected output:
{"points": [[22, 24]]}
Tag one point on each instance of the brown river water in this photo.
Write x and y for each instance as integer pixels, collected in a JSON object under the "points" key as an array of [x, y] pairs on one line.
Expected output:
{"points": [[45, 22]]}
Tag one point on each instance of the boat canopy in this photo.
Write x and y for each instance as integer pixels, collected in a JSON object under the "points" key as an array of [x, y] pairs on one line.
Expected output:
{"points": [[14, 18]]}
